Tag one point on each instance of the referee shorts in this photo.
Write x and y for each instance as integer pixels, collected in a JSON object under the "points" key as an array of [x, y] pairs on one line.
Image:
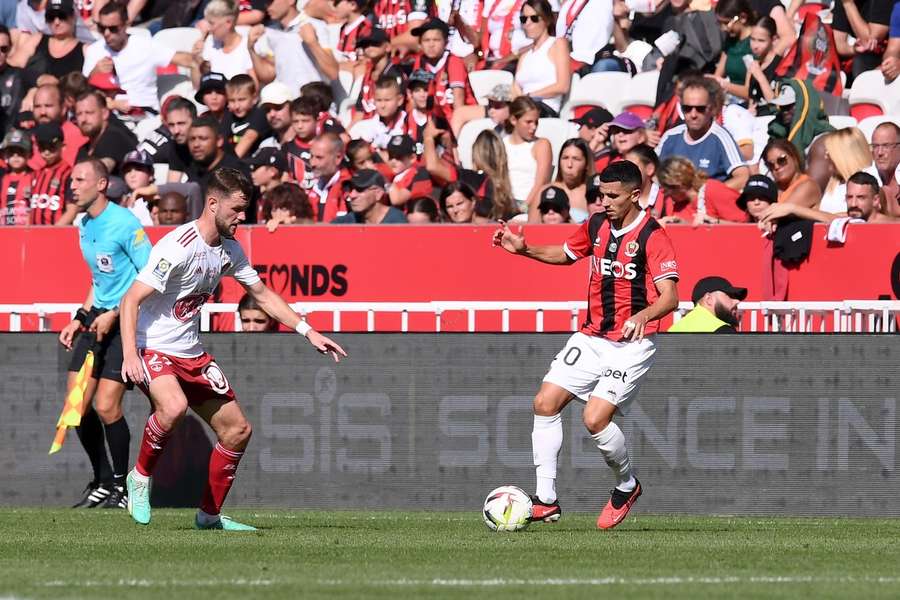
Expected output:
{"points": [[107, 354]]}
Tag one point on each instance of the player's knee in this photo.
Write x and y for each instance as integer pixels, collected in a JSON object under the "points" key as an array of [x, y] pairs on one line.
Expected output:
{"points": [[594, 421], [546, 405], [170, 412], [238, 435]]}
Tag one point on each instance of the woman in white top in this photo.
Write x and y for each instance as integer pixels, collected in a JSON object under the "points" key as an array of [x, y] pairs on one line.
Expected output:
{"points": [[223, 47], [543, 72], [529, 157]]}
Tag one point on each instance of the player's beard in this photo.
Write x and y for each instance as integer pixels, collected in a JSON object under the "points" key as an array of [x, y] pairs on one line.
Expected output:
{"points": [[224, 230], [725, 315]]}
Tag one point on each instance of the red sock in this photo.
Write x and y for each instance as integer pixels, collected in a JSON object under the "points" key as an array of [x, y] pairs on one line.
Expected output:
{"points": [[152, 445], [222, 467]]}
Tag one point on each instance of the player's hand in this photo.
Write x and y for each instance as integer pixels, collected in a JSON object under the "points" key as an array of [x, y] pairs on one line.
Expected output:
{"points": [[68, 334], [633, 329], [325, 345], [103, 324], [506, 239], [132, 368]]}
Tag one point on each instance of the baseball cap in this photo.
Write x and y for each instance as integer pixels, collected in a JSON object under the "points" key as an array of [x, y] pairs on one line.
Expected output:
{"points": [[210, 81], [432, 24], [717, 284], [376, 38], [758, 186], [116, 188], [594, 117], [106, 82], [554, 198], [16, 138], [502, 92], [400, 146], [59, 7], [785, 97], [139, 158], [420, 76], [275, 93], [628, 121], [365, 179], [48, 133], [268, 157]]}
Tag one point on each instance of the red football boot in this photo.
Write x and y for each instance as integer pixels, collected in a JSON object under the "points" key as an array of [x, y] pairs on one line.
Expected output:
{"points": [[541, 511], [618, 506]]}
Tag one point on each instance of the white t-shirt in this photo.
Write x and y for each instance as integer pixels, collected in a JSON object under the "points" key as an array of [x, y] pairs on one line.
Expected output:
{"points": [[468, 10], [135, 65], [229, 64], [591, 26], [185, 271], [294, 65], [377, 132]]}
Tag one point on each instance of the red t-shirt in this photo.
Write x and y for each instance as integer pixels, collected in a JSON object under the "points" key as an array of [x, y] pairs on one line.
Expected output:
{"points": [[352, 32], [449, 73], [49, 195], [415, 179], [329, 201], [15, 203], [625, 265], [298, 155]]}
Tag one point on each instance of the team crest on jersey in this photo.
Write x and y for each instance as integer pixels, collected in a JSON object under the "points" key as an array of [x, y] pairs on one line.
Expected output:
{"points": [[161, 268], [185, 308], [105, 263], [631, 249]]}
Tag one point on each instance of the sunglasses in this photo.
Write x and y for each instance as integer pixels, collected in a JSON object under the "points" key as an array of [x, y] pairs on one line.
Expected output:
{"points": [[497, 104], [780, 162], [113, 29], [533, 18], [700, 108]]}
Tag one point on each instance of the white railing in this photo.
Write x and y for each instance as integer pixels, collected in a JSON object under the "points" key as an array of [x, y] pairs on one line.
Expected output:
{"points": [[850, 316]]}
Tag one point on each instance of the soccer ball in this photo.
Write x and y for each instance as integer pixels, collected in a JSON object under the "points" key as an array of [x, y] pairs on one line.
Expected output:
{"points": [[507, 508]]}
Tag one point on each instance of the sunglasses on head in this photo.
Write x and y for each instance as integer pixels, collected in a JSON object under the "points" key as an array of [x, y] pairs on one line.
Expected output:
{"points": [[533, 18], [114, 29], [700, 108], [780, 162]]}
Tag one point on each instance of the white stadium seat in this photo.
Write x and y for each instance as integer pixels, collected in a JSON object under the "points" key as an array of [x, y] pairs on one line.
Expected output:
{"points": [[842, 121], [557, 131], [180, 39], [640, 91], [868, 125], [869, 89], [467, 136], [483, 82], [597, 89]]}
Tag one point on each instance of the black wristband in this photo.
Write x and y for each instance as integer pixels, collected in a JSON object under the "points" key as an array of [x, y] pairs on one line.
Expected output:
{"points": [[81, 316]]}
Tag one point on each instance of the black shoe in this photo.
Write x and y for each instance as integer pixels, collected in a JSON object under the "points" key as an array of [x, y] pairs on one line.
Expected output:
{"points": [[541, 511], [94, 495], [118, 498]]}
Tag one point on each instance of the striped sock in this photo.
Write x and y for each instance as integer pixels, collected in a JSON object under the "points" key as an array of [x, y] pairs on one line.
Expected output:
{"points": [[152, 445]]}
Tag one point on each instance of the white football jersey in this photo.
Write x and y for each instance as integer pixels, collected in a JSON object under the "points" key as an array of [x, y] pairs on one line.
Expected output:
{"points": [[185, 271]]}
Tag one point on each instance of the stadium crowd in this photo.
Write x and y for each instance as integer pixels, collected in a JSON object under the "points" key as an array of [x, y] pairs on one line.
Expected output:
{"points": [[460, 111]]}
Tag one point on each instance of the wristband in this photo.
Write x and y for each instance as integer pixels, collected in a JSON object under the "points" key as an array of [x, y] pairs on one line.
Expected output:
{"points": [[81, 316], [303, 328]]}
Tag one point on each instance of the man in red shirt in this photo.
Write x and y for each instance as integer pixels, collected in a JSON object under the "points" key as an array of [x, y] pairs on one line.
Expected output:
{"points": [[632, 286]]}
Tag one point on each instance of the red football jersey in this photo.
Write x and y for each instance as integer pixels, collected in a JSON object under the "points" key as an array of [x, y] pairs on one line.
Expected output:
{"points": [[50, 193], [16, 202], [625, 266], [298, 155]]}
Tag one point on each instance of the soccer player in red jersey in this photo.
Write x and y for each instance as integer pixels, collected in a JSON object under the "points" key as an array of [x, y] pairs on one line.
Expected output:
{"points": [[633, 275], [160, 317]]}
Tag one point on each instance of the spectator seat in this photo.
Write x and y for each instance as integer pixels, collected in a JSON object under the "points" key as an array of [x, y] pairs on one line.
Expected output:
{"points": [[483, 82]]}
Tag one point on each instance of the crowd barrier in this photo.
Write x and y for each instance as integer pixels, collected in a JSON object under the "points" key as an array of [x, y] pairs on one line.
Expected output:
{"points": [[754, 425]]}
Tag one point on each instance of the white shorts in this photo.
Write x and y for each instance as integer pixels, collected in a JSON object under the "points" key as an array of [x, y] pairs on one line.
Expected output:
{"points": [[595, 366]]}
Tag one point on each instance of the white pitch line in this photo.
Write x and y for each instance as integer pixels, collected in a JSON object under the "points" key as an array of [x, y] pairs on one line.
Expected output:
{"points": [[605, 581], [150, 583]]}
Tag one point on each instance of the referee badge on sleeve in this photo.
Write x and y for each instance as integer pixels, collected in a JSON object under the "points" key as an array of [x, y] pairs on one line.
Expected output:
{"points": [[162, 269]]}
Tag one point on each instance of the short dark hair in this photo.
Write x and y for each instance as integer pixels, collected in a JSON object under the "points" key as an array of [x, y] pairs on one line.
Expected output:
{"points": [[388, 82], [179, 103], [646, 154], [239, 82], [624, 172], [291, 197], [115, 7], [227, 181], [94, 93], [5, 29], [427, 206], [207, 121], [890, 124], [320, 92], [248, 302], [863, 178], [306, 105]]}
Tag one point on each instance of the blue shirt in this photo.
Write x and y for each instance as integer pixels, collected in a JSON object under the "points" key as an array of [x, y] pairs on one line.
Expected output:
{"points": [[716, 153], [115, 247], [895, 21]]}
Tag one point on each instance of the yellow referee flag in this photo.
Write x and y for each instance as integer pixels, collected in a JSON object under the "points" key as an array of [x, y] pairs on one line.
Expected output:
{"points": [[71, 412]]}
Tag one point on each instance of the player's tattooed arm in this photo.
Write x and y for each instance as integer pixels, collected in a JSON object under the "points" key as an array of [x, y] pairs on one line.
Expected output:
{"points": [[505, 238]]}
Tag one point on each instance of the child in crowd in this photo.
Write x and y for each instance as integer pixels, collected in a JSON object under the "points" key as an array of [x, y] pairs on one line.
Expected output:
{"points": [[245, 124]]}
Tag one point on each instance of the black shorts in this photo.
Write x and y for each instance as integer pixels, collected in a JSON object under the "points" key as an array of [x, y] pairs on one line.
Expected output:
{"points": [[107, 354]]}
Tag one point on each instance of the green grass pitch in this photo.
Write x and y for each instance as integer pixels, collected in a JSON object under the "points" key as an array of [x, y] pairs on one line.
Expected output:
{"points": [[358, 554]]}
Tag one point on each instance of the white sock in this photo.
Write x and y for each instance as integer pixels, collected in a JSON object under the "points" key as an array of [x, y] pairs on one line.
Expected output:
{"points": [[546, 441], [138, 477], [611, 442], [206, 518]]}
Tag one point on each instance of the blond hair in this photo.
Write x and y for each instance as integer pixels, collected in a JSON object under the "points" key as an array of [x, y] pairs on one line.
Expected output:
{"points": [[848, 151], [221, 8], [489, 155], [679, 172]]}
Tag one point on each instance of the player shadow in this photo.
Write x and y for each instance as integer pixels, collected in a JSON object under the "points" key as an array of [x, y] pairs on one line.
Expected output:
{"points": [[181, 473]]}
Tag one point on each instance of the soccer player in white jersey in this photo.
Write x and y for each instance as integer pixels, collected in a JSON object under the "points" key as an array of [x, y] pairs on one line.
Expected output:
{"points": [[160, 317]]}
